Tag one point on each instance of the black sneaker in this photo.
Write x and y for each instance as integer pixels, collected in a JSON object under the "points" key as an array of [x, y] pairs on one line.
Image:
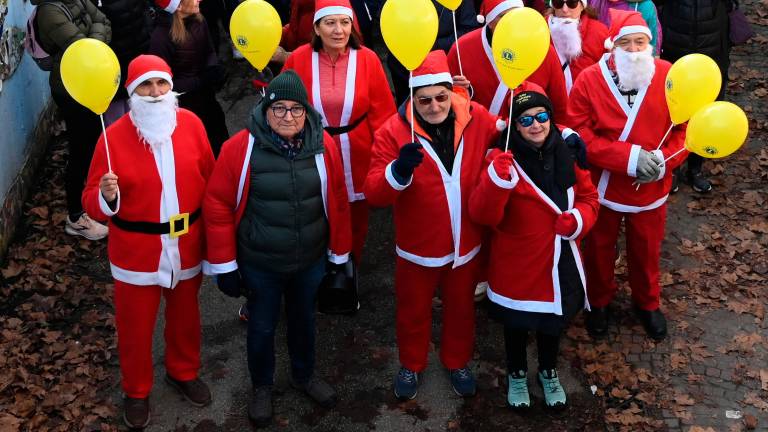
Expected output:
{"points": [[698, 182], [675, 182], [654, 323], [260, 406], [597, 322]]}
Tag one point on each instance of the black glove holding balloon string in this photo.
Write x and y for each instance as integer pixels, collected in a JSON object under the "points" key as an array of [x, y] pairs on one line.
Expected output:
{"points": [[410, 157]]}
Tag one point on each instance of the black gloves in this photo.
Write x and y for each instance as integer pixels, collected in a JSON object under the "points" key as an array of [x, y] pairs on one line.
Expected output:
{"points": [[230, 283], [214, 77], [578, 149], [410, 157]]}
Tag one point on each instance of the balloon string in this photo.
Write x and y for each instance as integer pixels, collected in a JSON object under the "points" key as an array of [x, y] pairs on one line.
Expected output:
{"points": [[509, 119], [675, 154], [413, 132], [106, 142], [659, 146], [456, 36], [665, 136]]}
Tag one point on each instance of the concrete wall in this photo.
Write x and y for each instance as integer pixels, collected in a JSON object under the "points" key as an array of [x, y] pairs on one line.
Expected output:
{"points": [[24, 97]]}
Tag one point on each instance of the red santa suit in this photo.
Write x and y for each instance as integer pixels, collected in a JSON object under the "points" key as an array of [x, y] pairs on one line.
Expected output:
{"points": [[155, 186], [435, 239], [593, 34], [353, 104], [614, 133], [229, 184], [524, 248], [489, 90]]}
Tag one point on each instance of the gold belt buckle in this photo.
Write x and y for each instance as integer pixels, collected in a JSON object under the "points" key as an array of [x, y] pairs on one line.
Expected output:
{"points": [[179, 217]]}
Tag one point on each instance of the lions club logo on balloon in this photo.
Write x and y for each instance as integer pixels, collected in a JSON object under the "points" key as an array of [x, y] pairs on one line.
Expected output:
{"points": [[508, 55], [242, 41]]}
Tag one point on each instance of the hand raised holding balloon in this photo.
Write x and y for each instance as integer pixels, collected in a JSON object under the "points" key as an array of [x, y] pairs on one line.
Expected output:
{"points": [[108, 186]]}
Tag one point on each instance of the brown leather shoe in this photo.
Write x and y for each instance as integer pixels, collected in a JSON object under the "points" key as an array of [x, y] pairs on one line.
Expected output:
{"points": [[195, 391], [136, 412]]}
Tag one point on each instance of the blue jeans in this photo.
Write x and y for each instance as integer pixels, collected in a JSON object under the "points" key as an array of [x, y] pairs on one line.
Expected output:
{"points": [[266, 290]]}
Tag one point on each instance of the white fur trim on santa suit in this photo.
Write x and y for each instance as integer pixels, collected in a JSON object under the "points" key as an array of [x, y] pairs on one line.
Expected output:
{"points": [[502, 183], [625, 31], [391, 179], [579, 224], [501, 8], [108, 211], [148, 75], [332, 10], [430, 79], [220, 268], [172, 6], [634, 155], [323, 174]]}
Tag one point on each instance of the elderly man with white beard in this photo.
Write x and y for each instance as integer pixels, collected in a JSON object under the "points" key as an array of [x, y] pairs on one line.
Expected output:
{"points": [[152, 196], [577, 35], [619, 109]]}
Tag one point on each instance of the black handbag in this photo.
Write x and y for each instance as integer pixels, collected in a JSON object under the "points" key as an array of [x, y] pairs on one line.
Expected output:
{"points": [[740, 30], [337, 294]]}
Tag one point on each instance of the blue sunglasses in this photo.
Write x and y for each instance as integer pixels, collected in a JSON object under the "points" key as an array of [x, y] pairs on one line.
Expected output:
{"points": [[541, 117]]}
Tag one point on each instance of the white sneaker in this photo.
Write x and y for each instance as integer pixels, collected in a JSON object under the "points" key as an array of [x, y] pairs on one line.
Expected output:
{"points": [[86, 227], [480, 291], [237, 55]]}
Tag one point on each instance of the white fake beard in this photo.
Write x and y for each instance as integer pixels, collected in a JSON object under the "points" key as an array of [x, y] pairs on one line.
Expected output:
{"points": [[154, 117], [635, 69], [565, 36]]}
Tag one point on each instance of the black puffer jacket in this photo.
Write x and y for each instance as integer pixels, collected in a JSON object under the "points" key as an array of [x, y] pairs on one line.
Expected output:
{"points": [[57, 31], [131, 27], [696, 26]]}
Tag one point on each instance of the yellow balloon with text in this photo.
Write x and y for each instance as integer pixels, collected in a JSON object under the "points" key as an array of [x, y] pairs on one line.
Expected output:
{"points": [[409, 28], [255, 29], [91, 73], [717, 130], [692, 82], [520, 44], [450, 4]]}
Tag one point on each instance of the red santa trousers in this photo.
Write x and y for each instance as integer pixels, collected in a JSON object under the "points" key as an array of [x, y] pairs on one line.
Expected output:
{"points": [[415, 287], [135, 315], [359, 211], [644, 233]]}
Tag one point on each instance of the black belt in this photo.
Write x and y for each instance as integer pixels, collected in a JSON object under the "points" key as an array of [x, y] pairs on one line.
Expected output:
{"points": [[333, 131], [178, 225]]}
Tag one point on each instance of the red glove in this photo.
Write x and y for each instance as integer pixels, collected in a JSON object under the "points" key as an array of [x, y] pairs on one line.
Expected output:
{"points": [[566, 225], [502, 164]]}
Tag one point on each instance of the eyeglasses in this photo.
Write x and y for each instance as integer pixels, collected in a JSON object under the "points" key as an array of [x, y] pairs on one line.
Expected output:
{"points": [[526, 121], [280, 111], [558, 4], [426, 100]]}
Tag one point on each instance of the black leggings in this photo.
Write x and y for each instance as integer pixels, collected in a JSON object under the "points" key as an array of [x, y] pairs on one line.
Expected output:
{"points": [[516, 341]]}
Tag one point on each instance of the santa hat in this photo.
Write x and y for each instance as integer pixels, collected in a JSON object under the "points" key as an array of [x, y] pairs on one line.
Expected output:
{"points": [[491, 9], [144, 67], [625, 23], [323, 8], [169, 6], [433, 71]]}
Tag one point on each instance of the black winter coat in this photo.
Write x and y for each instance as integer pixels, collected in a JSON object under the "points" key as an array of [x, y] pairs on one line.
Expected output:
{"points": [[131, 27], [696, 26]]}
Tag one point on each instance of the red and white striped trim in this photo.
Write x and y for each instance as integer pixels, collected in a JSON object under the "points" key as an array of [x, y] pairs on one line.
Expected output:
{"points": [[332, 10]]}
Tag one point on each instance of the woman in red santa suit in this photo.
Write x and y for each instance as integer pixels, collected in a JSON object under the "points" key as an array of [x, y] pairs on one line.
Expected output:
{"points": [[152, 196], [487, 88], [578, 37], [539, 205], [347, 85], [437, 244], [619, 108]]}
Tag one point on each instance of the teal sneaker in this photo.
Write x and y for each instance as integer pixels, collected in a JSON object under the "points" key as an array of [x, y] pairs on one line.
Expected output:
{"points": [[517, 393], [554, 395]]}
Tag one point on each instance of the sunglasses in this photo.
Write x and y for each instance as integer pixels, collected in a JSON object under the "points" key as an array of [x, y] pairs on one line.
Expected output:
{"points": [[426, 100], [526, 121], [558, 4]]}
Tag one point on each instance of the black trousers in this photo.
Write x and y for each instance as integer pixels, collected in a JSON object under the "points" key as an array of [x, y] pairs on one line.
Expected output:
{"points": [[83, 131], [516, 341]]}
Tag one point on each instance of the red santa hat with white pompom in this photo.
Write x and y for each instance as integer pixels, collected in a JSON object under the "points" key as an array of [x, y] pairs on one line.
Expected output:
{"points": [[625, 23], [491, 9]]}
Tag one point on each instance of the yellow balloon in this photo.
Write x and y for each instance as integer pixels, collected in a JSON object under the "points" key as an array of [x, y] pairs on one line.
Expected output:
{"points": [[255, 29], [450, 4], [91, 73], [717, 130], [520, 44], [409, 28], [692, 82]]}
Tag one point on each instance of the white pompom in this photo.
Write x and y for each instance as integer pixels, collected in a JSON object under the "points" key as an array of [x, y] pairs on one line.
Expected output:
{"points": [[608, 44], [481, 19], [501, 125]]}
